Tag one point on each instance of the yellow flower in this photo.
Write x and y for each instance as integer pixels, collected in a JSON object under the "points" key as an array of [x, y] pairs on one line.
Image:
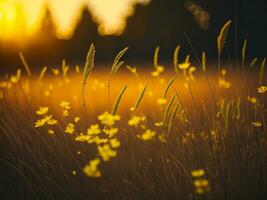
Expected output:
{"points": [[160, 68], [106, 152], [201, 183], [110, 132], [76, 119], [70, 128], [184, 66], [134, 120], [115, 143], [65, 105], [252, 99], [97, 140], [93, 130], [43, 121], [198, 173], [15, 79], [162, 101], [108, 119], [65, 113], [55, 71], [83, 138], [147, 135], [52, 122], [257, 124], [51, 131], [91, 169], [155, 73], [158, 124], [262, 89], [42, 110]]}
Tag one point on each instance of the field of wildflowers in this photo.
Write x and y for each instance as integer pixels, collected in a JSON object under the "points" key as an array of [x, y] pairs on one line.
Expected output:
{"points": [[186, 133]]}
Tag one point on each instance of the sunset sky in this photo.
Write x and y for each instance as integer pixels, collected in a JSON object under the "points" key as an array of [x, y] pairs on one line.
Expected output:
{"points": [[20, 18]]}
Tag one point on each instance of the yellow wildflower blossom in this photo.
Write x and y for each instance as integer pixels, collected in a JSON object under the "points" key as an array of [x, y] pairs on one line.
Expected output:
{"points": [[201, 183], [70, 128], [108, 119], [91, 169], [55, 71], [158, 124], [106, 152], [76, 119], [147, 135], [42, 110], [15, 78], [51, 131], [134, 120], [65, 113], [184, 66], [65, 105], [97, 140], [93, 130], [160, 68], [43, 121], [110, 132], [52, 122], [155, 73], [252, 99], [262, 89], [83, 138], [256, 124], [115, 143], [198, 173]]}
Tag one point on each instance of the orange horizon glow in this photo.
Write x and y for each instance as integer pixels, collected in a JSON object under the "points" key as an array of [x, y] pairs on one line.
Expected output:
{"points": [[23, 18]]}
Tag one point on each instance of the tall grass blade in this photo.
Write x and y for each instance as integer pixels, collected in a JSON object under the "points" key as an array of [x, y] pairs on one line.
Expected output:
{"points": [[204, 67], [156, 55], [168, 86], [116, 63], [173, 116], [244, 49], [116, 105], [25, 64], [262, 71], [42, 73], [167, 110], [89, 64], [223, 36], [176, 59], [140, 97]]}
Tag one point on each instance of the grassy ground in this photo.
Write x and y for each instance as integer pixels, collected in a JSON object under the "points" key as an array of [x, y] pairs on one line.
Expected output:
{"points": [[190, 134], [206, 133]]}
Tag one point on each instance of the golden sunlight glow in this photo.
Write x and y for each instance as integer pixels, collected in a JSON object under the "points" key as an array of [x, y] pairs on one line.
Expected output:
{"points": [[20, 18]]}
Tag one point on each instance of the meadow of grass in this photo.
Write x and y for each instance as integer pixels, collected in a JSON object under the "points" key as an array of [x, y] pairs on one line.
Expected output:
{"points": [[188, 133]]}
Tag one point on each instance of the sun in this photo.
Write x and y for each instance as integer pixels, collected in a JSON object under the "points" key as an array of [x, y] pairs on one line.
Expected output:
{"points": [[11, 20]]}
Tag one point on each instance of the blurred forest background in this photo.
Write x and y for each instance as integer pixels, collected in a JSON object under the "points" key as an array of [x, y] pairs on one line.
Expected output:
{"points": [[161, 22]]}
